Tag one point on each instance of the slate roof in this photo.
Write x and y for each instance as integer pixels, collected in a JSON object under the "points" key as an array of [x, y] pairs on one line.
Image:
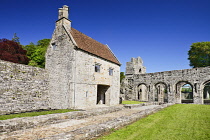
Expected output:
{"points": [[92, 46]]}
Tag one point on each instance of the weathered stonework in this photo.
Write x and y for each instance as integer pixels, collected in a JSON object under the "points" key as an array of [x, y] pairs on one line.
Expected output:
{"points": [[70, 80], [22, 88], [73, 81], [166, 86], [127, 90]]}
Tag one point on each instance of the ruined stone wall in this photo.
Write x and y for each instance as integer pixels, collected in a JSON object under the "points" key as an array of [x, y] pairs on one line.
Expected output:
{"points": [[22, 88], [173, 81]]}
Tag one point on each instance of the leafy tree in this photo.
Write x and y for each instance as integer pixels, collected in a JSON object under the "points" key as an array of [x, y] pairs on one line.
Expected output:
{"points": [[16, 38], [37, 52], [199, 54], [30, 49], [12, 51], [122, 76]]}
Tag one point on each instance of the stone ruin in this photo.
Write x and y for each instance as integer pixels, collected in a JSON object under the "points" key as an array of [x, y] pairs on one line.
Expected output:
{"points": [[165, 87]]}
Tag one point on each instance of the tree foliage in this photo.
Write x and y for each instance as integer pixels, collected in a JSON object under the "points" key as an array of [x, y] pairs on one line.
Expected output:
{"points": [[16, 38], [199, 54], [122, 76], [12, 51], [36, 52]]}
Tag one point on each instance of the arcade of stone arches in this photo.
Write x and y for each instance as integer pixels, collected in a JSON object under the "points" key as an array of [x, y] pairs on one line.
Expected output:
{"points": [[183, 92], [177, 86]]}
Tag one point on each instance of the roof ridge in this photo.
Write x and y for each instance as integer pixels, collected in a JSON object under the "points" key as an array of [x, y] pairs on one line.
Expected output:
{"points": [[93, 46], [89, 36]]}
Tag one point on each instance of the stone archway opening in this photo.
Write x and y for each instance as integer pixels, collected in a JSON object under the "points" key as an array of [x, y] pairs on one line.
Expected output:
{"points": [[142, 94], [102, 92], [186, 93], [206, 93], [161, 94]]}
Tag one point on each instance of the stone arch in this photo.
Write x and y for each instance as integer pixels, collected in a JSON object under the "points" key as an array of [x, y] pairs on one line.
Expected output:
{"points": [[182, 96], [161, 94], [142, 93], [205, 88]]}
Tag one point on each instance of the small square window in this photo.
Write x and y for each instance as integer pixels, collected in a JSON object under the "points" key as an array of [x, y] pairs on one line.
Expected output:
{"points": [[54, 46], [110, 71], [97, 67]]}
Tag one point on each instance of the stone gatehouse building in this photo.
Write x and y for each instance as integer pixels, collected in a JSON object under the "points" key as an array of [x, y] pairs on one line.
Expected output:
{"points": [[166, 86], [80, 73]]}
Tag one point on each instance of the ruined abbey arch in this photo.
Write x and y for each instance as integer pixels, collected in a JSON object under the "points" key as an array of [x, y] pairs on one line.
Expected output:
{"points": [[161, 94], [183, 97], [167, 86], [142, 94]]}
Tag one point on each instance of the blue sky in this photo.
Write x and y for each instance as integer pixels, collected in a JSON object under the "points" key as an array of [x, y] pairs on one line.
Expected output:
{"points": [[159, 31]]}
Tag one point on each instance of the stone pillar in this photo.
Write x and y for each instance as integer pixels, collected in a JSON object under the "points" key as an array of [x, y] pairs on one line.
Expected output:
{"points": [[170, 94], [197, 94]]}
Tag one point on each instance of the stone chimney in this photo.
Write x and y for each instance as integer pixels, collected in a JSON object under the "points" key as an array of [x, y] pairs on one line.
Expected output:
{"points": [[63, 12], [63, 16]]}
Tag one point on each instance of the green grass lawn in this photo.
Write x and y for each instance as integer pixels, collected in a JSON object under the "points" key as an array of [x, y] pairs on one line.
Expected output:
{"points": [[177, 122], [131, 102], [31, 114]]}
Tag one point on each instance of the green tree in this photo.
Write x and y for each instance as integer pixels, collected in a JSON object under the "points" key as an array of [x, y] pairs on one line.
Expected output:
{"points": [[199, 54], [16, 38], [122, 76], [37, 52], [30, 49]]}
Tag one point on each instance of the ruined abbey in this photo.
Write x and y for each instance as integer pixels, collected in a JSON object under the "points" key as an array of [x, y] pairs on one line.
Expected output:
{"points": [[82, 73], [165, 87]]}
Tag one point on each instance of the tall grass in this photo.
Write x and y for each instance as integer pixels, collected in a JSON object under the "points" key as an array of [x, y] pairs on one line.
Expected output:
{"points": [[178, 122]]}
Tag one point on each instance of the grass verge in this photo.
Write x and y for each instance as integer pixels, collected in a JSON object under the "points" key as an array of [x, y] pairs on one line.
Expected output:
{"points": [[31, 114], [131, 102], [177, 122]]}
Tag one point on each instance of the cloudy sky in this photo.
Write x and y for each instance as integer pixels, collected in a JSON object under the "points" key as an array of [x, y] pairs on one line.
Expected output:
{"points": [[159, 31]]}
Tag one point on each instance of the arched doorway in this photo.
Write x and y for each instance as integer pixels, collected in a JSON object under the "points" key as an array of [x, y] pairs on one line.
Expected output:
{"points": [[206, 93], [142, 94], [184, 92], [161, 94]]}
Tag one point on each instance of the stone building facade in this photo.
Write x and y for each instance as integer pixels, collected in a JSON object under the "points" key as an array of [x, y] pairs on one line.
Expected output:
{"points": [[167, 86], [82, 72]]}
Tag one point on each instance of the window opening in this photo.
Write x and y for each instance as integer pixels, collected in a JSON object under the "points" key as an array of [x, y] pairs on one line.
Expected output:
{"points": [[54, 46], [97, 67], [110, 71]]}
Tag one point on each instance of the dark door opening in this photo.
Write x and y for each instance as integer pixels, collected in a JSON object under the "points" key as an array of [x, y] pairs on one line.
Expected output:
{"points": [[101, 94]]}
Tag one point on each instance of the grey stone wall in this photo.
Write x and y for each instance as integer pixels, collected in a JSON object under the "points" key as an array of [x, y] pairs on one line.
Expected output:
{"points": [[60, 64], [22, 88], [166, 86]]}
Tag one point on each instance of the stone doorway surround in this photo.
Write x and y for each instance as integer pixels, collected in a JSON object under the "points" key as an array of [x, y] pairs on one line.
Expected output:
{"points": [[102, 94]]}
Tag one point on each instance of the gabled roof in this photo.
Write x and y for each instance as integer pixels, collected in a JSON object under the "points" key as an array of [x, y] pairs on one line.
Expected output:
{"points": [[92, 46]]}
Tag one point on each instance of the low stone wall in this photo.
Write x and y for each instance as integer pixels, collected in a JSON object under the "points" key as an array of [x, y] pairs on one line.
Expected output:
{"points": [[130, 106], [31, 122], [22, 88], [93, 131]]}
